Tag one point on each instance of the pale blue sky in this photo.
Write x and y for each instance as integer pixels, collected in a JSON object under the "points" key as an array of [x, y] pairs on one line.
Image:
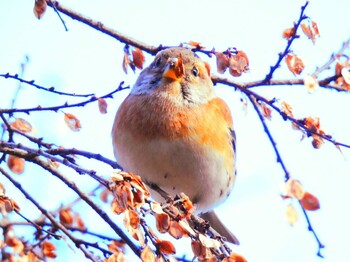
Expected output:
{"points": [[83, 60]]}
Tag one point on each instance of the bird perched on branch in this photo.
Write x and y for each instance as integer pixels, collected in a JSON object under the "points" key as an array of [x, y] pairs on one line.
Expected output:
{"points": [[174, 132]]}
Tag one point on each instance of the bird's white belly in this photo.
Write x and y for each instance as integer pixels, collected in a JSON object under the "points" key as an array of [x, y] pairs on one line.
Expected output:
{"points": [[178, 166]]}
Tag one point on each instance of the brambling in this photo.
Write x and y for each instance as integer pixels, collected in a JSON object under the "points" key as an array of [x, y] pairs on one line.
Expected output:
{"points": [[174, 132]]}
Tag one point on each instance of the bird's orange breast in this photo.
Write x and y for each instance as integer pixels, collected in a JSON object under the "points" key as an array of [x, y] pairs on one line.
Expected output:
{"points": [[150, 117]]}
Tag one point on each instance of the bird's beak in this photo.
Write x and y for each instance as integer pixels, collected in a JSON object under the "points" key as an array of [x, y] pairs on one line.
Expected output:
{"points": [[174, 69]]}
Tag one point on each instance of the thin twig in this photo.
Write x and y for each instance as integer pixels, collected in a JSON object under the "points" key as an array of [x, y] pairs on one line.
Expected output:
{"points": [[281, 162], [310, 228], [59, 15], [324, 83], [48, 215], [289, 43], [271, 103], [25, 152], [87, 154], [332, 59], [269, 135], [66, 105], [50, 89], [87, 200]]}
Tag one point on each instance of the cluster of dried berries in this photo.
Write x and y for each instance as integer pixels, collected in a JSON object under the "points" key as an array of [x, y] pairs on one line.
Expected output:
{"points": [[132, 199]]}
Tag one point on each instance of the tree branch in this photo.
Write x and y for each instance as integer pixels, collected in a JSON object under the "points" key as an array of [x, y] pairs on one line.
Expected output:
{"points": [[50, 89], [286, 173], [102, 28], [48, 215], [289, 43], [66, 105]]}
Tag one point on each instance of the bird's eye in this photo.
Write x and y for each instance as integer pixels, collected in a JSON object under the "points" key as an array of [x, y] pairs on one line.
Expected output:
{"points": [[157, 63], [195, 71]]}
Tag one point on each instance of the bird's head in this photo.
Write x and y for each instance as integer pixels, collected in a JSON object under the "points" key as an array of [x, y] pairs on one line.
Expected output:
{"points": [[179, 74]]}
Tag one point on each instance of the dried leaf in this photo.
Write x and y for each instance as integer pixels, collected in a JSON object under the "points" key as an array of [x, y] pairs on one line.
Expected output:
{"points": [[116, 246], [116, 207], [162, 222], [288, 33], [39, 8], [147, 255], [9, 204], [209, 242], [131, 219], [294, 189], [187, 203], [311, 30], [198, 249], [12, 241], [295, 64], [222, 62], [175, 230], [102, 105], [238, 64], [21, 125], [117, 176], [123, 194], [292, 215], [79, 221], [313, 124], [137, 183], [317, 141], [15, 206], [138, 58], [116, 257], [310, 202], [160, 258], [287, 109], [72, 122], [66, 217], [139, 236], [342, 83], [311, 83], [234, 257], [49, 249], [265, 110], [338, 67], [346, 75], [184, 224], [156, 207], [104, 195], [2, 190], [196, 45], [16, 164], [126, 61], [165, 247]]}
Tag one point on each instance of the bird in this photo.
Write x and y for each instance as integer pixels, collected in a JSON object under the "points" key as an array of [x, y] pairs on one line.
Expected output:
{"points": [[174, 132]]}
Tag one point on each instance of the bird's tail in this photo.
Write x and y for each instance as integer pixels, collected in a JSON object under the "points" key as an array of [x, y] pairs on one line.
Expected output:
{"points": [[216, 224]]}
